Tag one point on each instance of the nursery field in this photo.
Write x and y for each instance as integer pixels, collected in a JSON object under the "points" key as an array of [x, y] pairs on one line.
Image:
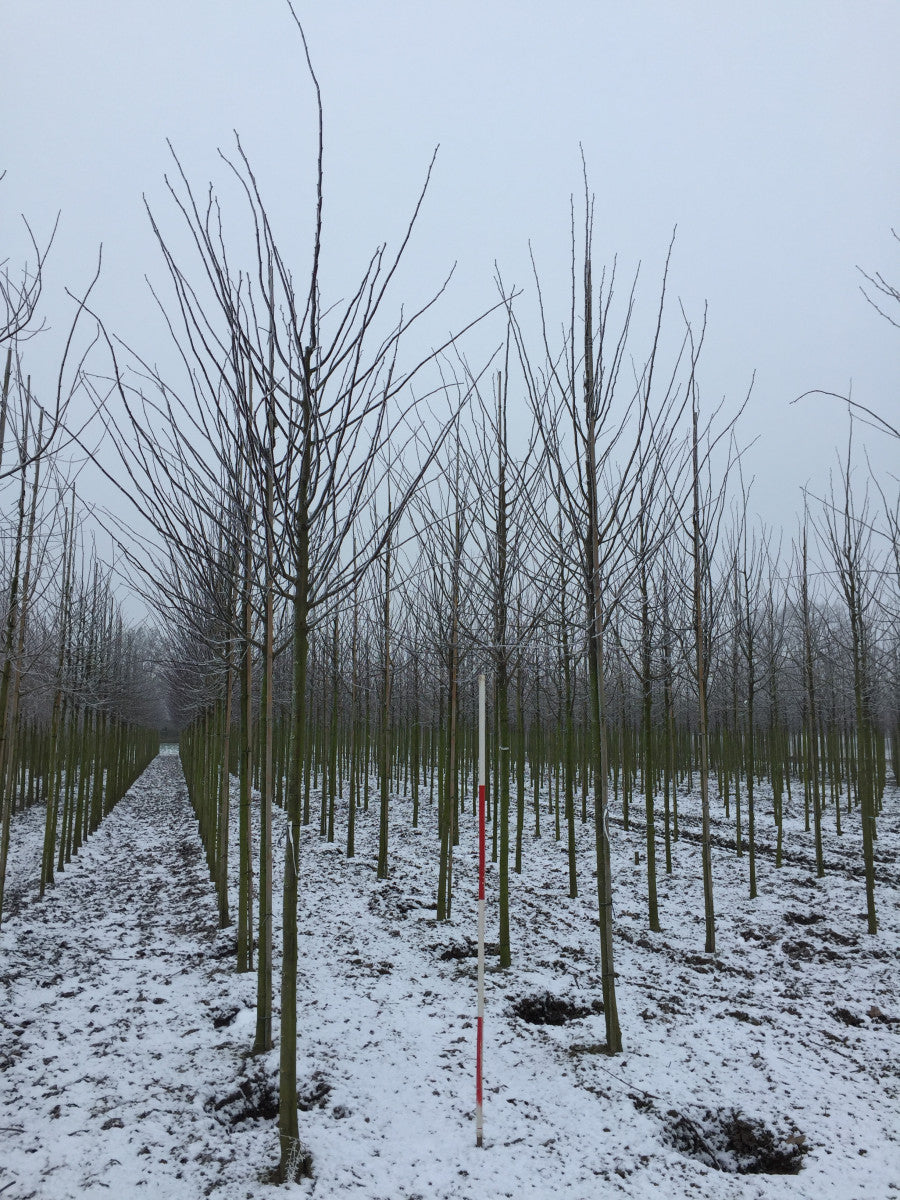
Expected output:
{"points": [[769, 1069], [559, 522]]}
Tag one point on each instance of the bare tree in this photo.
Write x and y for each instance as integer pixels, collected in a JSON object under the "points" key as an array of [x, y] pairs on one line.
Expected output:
{"points": [[845, 528], [331, 394], [706, 504], [507, 527], [592, 425]]}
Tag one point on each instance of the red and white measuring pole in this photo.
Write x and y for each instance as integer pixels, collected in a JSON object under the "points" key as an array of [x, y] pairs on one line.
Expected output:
{"points": [[482, 779]]}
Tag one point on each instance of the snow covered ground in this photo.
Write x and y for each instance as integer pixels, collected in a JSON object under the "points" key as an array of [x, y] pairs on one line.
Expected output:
{"points": [[125, 1032]]}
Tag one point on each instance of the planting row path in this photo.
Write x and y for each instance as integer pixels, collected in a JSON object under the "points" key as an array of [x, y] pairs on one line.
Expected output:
{"points": [[109, 987]]}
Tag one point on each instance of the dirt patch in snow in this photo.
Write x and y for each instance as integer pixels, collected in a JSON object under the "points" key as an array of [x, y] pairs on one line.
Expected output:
{"points": [[733, 1142], [547, 1009]]}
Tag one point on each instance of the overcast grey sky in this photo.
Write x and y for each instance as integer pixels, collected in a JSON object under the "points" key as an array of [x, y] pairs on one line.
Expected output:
{"points": [[768, 132]]}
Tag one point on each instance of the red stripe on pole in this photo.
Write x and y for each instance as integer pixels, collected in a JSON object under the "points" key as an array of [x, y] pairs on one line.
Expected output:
{"points": [[482, 780], [479, 1098], [481, 840]]}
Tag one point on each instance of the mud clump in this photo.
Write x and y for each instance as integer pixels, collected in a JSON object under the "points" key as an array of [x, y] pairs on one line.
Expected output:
{"points": [[547, 1009], [221, 1020], [254, 1099], [847, 1018], [732, 1142], [314, 1095], [459, 951], [797, 918], [798, 951]]}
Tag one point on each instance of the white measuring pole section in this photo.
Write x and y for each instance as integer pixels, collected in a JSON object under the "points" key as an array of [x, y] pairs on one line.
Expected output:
{"points": [[482, 779]]}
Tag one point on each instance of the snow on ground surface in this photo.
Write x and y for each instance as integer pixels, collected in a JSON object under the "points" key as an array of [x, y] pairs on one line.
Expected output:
{"points": [[125, 1032]]}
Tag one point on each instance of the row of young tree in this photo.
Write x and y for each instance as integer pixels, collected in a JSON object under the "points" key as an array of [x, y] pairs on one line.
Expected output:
{"points": [[339, 530], [338, 542], [77, 724]]}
